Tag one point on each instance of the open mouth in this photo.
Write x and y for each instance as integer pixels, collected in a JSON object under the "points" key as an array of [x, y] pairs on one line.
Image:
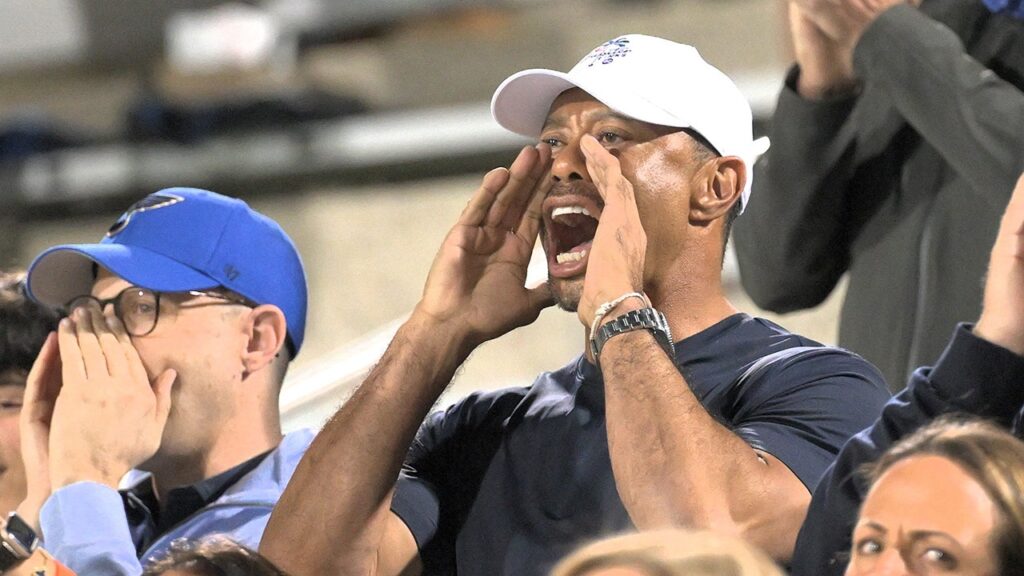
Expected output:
{"points": [[570, 224]]}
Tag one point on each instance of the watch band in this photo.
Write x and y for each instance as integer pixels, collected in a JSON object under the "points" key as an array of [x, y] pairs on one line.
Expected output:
{"points": [[17, 542], [648, 319]]}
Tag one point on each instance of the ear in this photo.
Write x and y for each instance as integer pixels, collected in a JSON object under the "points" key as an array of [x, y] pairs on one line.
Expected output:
{"points": [[266, 330], [719, 185]]}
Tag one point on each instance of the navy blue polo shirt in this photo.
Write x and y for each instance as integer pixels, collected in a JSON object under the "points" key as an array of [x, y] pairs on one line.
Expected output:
{"points": [[508, 482]]}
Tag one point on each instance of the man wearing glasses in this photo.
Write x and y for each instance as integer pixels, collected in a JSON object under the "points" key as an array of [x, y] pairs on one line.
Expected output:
{"points": [[181, 324]]}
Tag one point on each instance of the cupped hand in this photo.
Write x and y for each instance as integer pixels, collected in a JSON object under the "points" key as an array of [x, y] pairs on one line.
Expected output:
{"points": [[108, 417], [476, 283], [42, 387], [617, 255]]}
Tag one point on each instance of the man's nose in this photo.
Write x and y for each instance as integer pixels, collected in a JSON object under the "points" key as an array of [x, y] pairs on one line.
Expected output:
{"points": [[568, 163]]}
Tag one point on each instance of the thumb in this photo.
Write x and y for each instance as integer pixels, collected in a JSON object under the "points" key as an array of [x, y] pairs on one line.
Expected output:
{"points": [[540, 297], [162, 388]]}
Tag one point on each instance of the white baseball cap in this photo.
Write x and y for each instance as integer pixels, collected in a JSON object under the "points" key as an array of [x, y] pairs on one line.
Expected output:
{"points": [[645, 78]]}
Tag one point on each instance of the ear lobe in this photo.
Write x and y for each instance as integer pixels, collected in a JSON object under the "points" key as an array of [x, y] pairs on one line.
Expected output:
{"points": [[720, 189], [267, 330]]}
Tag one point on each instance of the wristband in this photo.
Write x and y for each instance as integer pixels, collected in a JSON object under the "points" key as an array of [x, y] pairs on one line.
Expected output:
{"points": [[607, 307]]}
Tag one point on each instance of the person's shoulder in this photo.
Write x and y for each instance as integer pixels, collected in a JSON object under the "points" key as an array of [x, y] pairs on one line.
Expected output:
{"points": [[799, 360], [762, 327], [483, 405]]}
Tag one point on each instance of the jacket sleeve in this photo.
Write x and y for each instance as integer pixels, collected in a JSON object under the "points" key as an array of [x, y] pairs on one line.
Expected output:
{"points": [[973, 377], [791, 241], [85, 527], [964, 110], [832, 162]]}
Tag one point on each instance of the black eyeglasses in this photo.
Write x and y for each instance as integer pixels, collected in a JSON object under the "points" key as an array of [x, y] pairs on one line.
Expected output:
{"points": [[139, 308]]}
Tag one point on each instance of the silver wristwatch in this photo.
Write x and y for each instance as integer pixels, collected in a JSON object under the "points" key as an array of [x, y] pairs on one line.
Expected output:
{"points": [[643, 319]]}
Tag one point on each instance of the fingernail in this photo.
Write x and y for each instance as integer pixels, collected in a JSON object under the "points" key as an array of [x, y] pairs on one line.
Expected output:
{"points": [[65, 322], [110, 321]]}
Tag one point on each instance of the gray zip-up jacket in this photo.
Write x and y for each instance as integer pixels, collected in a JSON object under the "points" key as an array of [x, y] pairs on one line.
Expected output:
{"points": [[902, 186]]}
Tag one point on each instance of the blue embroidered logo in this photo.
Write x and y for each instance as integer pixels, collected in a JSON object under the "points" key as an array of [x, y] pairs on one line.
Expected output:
{"points": [[151, 202], [607, 53]]}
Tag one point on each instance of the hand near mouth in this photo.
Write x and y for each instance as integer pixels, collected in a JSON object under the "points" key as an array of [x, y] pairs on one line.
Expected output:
{"points": [[42, 387], [620, 244], [476, 283], [109, 416]]}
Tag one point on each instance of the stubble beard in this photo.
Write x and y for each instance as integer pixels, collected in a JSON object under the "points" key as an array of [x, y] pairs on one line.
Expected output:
{"points": [[567, 293]]}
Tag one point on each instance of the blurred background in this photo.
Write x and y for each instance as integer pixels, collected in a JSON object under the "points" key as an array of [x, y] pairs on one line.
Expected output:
{"points": [[362, 126]]}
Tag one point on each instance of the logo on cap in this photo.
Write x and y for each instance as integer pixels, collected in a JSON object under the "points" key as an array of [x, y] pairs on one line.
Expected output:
{"points": [[607, 53], [151, 202]]}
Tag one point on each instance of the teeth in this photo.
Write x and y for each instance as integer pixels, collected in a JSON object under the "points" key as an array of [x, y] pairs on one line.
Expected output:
{"points": [[563, 210], [570, 256]]}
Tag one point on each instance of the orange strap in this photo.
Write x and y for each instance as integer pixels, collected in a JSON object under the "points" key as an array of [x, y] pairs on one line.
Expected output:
{"points": [[42, 564]]}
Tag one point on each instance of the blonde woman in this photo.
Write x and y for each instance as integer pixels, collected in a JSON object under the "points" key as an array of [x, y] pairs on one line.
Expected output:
{"points": [[948, 499], [668, 553]]}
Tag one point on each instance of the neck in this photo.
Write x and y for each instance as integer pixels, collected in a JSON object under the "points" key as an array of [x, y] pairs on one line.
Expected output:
{"points": [[691, 298], [692, 302], [235, 443]]}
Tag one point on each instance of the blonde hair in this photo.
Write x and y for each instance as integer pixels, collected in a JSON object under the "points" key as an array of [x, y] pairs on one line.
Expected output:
{"points": [[671, 553], [990, 455]]}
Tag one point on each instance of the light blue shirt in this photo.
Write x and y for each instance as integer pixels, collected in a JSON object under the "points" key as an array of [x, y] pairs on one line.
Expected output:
{"points": [[85, 527]]}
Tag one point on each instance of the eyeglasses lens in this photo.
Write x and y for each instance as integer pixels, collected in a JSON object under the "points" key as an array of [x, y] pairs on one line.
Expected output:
{"points": [[139, 310]]}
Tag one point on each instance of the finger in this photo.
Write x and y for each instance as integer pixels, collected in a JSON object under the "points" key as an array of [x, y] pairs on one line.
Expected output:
{"points": [[42, 372], [136, 369], [92, 354], [113, 352], [526, 203], [73, 366], [162, 389], [533, 216], [540, 297], [598, 164], [476, 210], [1011, 229], [1013, 220], [606, 173], [522, 176]]}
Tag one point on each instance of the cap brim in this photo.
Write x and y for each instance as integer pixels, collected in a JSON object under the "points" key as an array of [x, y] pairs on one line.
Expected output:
{"points": [[521, 103], [63, 272]]}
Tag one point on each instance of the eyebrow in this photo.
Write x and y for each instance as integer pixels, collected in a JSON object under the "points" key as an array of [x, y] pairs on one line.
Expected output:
{"points": [[921, 534], [558, 122], [874, 525], [911, 535]]}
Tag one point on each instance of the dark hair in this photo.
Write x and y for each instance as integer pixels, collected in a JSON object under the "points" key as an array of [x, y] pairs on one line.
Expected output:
{"points": [[990, 455], [23, 324], [215, 556]]}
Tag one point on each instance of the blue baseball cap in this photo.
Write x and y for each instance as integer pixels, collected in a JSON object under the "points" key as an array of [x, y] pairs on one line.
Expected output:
{"points": [[182, 239]]}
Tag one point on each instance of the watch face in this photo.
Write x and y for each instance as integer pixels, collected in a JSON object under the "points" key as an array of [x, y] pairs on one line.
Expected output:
{"points": [[22, 532]]}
